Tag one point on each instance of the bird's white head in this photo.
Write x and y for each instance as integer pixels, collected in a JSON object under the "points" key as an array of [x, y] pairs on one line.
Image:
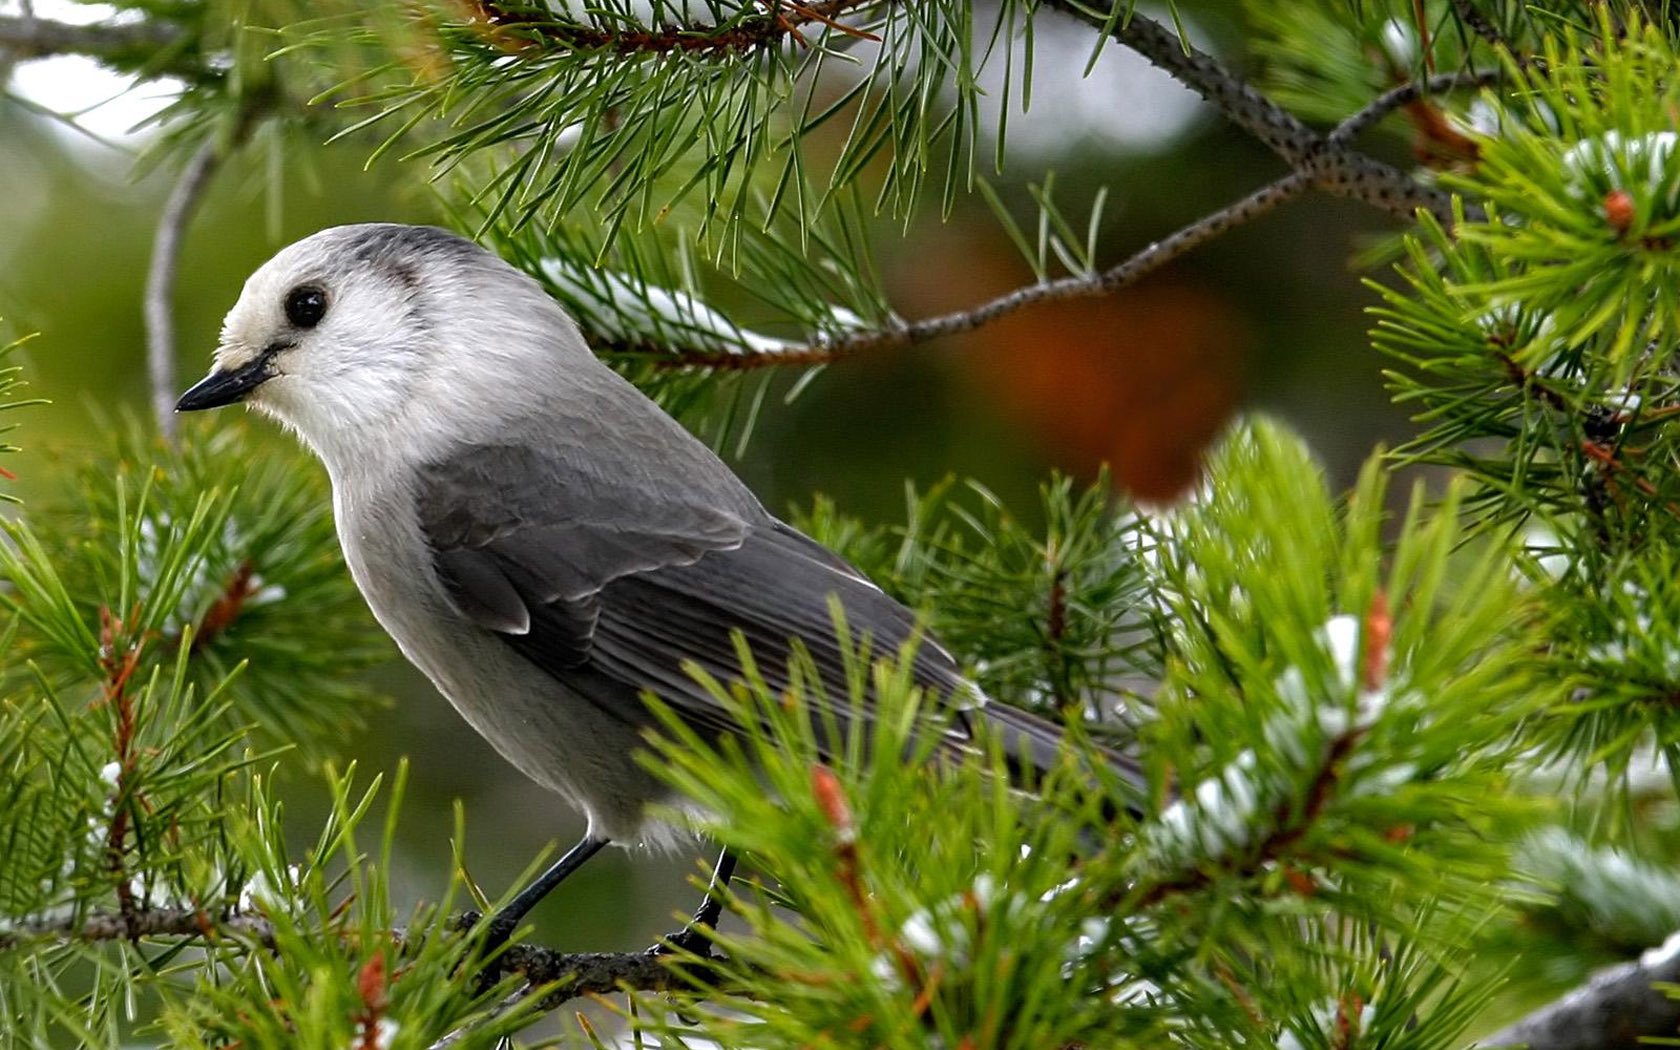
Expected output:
{"points": [[373, 335]]}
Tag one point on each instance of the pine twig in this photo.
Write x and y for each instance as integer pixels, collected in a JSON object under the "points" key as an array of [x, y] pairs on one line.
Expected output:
{"points": [[1081, 286], [781, 23], [156, 44], [1291, 824], [240, 588], [1406, 94], [572, 974], [1618, 1009], [99, 926], [1330, 166], [1479, 24], [160, 281]]}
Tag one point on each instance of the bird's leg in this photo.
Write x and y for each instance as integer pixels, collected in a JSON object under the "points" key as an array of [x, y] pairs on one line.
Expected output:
{"points": [[503, 923], [696, 936]]}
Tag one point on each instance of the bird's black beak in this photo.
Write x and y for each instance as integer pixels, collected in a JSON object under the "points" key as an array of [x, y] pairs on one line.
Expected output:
{"points": [[224, 388]]}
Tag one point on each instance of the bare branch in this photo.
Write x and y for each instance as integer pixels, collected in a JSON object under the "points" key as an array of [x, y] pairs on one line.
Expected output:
{"points": [[160, 281], [1619, 1009], [780, 23], [1404, 95], [1081, 286], [154, 46], [1479, 24], [114, 926], [1331, 165], [574, 974]]}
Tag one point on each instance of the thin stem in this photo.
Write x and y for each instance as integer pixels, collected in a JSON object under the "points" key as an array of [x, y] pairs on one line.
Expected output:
{"points": [[1331, 165], [1080, 286], [1404, 95], [1479, 24], [155, 46], [1128, 272], [577, 974], [779, 24], [160, 282]]}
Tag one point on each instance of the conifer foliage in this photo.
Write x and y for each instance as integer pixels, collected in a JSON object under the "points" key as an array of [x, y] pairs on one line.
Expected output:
{"points": [[1409, 756]]}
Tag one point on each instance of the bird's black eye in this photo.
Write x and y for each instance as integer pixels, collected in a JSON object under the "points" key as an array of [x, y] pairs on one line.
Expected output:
{"points": [[305, 306]]}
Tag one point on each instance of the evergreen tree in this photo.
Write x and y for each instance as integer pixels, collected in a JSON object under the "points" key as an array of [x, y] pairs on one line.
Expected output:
{"points": [[1410, 772]]}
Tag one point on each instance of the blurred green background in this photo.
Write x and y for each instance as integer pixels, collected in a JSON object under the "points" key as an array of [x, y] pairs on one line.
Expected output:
{"points": [[1268, 317]]}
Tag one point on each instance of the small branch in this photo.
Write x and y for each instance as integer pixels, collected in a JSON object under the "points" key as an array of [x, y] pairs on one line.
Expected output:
{"points": [[240, 588], [1406, 94], [119, 660], [1330, 165], [1618, 1009], [782, 22], [160, 281], [1128, 272], [101, 926], [1081, 286], [578, 973], [1479, 24], [1243, 104], [155, 46]]}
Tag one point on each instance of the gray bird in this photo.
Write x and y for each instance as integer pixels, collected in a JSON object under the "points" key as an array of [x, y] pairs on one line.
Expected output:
{"points": [[540, 538]]}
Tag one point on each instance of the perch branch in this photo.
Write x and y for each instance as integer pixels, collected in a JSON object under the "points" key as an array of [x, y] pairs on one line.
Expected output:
{"points": [[1620, 1008], [573, 974]]}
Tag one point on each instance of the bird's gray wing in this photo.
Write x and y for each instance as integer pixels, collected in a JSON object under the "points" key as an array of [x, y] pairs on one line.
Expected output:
{"points": [[774, 588], [616, 585]]}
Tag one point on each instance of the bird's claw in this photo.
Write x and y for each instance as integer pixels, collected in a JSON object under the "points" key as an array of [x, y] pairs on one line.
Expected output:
{"points": [[692, 939]]}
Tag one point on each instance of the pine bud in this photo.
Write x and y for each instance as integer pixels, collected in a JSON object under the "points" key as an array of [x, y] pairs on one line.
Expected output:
{"points": [[1618, 210]]}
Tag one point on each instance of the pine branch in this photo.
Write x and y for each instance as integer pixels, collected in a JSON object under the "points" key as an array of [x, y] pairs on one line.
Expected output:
{"points": [[1619, 1009], [753, 33], [1080, 286], [573, 974], [160, 281], [1293, 822], [1479, 24], [156, 45], [1328, 163], [101, 926], [1404, 95], [1123, 275]]}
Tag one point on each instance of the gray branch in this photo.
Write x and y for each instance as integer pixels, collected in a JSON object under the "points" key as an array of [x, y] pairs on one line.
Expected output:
{"points": [[1079, 286], [1331, 165], [1479, 24], [574, 974], [160, 281], [1619, 1009], [1404, 95], [114, 926], [157, 46]]}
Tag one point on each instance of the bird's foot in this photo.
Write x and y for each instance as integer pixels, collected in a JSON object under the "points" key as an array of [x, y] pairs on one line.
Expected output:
{"points": [[693, 939]]}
